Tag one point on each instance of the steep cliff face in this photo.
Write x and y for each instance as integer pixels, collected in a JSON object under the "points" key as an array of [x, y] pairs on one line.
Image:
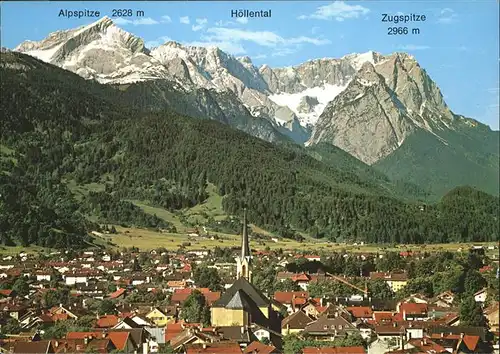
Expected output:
{"points": [[366, 119]]}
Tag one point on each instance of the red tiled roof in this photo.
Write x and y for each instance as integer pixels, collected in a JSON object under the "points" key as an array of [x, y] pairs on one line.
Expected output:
{"points": [[257, 347], [81, 335], [285, 297], [426, 345], [413, 308], [107, 321], [334, 350], [183, 294], [5, 292], [301, 277], [117, 293], [119, 339], [189, 290], [361, 311], [382, 316], [172, 330], [321, 309], [471, 341]]}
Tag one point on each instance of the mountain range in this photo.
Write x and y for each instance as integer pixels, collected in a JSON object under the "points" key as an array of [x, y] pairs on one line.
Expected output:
{"points": [[76, 154], [384, 110]]}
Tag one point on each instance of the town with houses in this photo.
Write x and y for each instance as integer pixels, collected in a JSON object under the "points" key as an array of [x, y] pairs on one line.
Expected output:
{"points": [[208, 301]]}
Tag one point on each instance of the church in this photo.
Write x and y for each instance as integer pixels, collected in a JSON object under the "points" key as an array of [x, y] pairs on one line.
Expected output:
{"points": [[243, 304]]}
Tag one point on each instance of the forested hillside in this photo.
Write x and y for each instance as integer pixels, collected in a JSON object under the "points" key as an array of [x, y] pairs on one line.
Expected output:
{"points": [[59, 127]]}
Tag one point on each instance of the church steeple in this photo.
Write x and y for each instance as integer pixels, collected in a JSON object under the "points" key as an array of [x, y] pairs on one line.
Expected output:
{"points": [[245, 245], [243, 262]]}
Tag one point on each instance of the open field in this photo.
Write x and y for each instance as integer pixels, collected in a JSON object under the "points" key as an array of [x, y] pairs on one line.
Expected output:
{"points": [[148, 239], [197, 215], [14, 250], [79, 191]]}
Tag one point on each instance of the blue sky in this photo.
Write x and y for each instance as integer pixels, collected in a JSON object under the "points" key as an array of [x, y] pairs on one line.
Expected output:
{"points": [[457, 44]]}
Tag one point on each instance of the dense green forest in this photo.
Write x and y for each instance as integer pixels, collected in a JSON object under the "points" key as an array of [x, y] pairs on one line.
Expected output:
{"points": [[57, 127], [424, 160]]}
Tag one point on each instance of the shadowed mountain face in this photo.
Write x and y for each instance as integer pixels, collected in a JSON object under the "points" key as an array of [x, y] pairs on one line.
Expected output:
{"points": [[382, 109]]}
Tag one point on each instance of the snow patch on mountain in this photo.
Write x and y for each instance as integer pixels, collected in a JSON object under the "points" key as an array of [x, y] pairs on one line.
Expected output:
{"points": [[324, 94]]}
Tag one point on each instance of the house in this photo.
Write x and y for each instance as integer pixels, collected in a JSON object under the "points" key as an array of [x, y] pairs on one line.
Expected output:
{"points": [[413, 311], [383, 317], [121, 341], [295, 323], [481, 295], [361, 312], [39, 347], [120, 293], [390, 333], [426, 345], [174, 285], [444, 299], [291, 299], [76, 278], [458, 343], [85, 345], [107, 321], [14, 310], [302, 280], [140, 320], [492, 314], [313, 308], [194, 335], [328, 328], [180, 295], [126, 323], [396, 281], [257, 347], [43, 275], [61, 312], [159, 318]]}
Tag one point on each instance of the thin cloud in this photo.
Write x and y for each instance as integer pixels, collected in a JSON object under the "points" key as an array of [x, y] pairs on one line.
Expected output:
{"points": [[259, 56], [200, 23], [221, 23], [447, 16], [412, 47], [138, 22], [184, 20], [263, 38], [166, 19], [338, 10], [242, 20]]}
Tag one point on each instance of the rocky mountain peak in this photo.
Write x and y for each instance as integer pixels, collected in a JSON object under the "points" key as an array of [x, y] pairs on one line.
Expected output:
{"points": [[392, 92]]}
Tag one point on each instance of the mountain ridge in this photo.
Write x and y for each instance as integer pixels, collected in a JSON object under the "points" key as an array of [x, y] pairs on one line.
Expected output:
{"points": [[326, 100], [61, 127]]}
